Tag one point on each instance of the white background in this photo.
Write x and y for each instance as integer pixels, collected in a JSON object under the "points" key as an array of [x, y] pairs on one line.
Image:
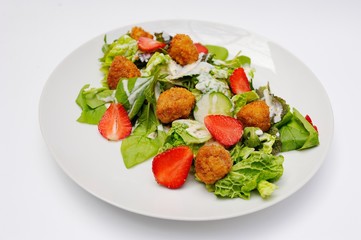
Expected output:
{"points": [[38, 201]]}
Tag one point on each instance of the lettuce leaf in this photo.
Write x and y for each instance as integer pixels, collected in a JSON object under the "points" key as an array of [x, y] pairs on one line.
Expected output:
{"points": [[298, 134], [124, 46], [312, 139], [236, 62], [253, 137], [130, 93], [246, 175], [219, 52], [186, 132], [148, 136], [240, 100], [92, 102], [266, 188], [240, 152], [157, 60]]}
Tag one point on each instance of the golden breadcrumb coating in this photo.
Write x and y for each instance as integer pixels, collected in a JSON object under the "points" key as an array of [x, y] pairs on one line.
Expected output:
{"points": [[182, 50], [212, 163], [255, 114], [174, 103], [138, 32], [121, 67]]}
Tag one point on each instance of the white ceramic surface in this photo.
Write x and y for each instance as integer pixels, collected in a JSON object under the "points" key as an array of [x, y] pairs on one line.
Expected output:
{"points": [[96, 165]]}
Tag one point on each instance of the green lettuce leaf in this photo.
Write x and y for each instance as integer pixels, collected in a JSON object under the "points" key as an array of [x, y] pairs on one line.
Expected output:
{"points": [[157, 60], [191, 131], [246, 175], [92, 102], [266, 188], [240, 100], [238, 61], [267, 142], [186, 132], [312, 139], [123, 46], [250, 137], [148, 136], [253, 137], [240, 152], [130, 93], [219, 52], [298, 134]]}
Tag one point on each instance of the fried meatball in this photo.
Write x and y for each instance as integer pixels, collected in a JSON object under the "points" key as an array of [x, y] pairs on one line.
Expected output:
{"points": [[182, 49], [212, 163], [121, 67], [174, 103], [138, 32], [255, 114]]}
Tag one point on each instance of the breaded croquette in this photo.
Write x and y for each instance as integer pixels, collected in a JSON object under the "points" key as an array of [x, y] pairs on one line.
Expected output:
{"points": [[174, 103], [121, 67], [255, 114], [212, 163], [182, 50], [138, 32]]}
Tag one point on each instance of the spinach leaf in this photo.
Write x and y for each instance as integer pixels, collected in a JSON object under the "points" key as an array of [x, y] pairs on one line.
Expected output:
{"points": [[130, 93], [146, 139]]}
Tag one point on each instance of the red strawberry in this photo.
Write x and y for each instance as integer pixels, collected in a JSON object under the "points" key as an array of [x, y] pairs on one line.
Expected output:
{"points": [[308, 118], [239, 82], [171, 168], [149, 45], [201, 48], [226, 130], [115, 123]]}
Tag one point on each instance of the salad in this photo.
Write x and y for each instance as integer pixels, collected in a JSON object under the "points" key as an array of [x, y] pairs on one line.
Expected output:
{"points": [[193, 110]]}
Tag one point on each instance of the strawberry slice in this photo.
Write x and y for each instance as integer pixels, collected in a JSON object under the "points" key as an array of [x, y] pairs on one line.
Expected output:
{"points": [[115, 123], [308, 118], [225, 129], [239, 82], [201, 48], [149, 45], [171, 168]]}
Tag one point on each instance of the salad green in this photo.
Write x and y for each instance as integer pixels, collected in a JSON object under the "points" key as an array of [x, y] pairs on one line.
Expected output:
{"points": [[257, 163]]}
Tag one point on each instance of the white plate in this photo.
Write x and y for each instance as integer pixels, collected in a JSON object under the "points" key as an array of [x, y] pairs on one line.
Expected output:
{"points": [[96, 164]]}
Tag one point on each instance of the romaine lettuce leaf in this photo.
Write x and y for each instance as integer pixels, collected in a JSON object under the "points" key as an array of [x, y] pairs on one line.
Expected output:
{"points": [[240, 100], [246, 175], [157, 60], [240, 152], [124, 46], [266, 188], [267, 141]]}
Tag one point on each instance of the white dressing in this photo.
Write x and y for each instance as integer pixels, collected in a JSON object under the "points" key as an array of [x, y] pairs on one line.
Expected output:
{"points": [[275, 108]]}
